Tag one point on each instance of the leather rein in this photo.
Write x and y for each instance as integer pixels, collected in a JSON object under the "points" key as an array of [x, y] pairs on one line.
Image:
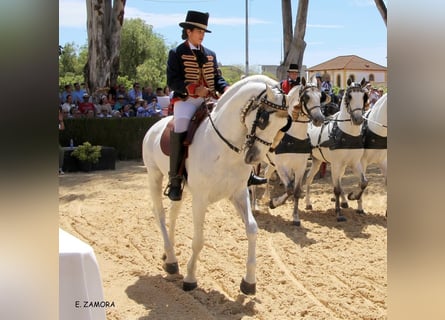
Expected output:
{"points": [[261, 120]]}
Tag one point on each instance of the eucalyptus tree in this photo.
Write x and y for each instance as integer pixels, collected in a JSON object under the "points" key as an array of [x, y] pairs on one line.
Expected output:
{"points": [[293, 40], [104, 24]]}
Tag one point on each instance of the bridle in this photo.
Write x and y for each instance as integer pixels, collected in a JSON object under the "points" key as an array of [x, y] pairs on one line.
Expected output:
{"points": [[354, 87], [303, 108], [260, 103]]}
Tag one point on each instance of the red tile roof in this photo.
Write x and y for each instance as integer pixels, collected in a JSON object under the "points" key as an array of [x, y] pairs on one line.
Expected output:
{"points": [[350, 62]]}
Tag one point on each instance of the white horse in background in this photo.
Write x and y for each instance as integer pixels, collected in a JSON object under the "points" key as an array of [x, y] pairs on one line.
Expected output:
{"points": [[290, 157], [339, 142], [375, 134], [236, 135]]}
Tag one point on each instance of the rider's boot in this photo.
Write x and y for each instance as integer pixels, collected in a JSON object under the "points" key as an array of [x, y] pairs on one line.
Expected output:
{"points": [[176, 155]]}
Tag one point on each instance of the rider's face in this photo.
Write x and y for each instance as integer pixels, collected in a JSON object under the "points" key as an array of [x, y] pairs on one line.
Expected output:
{"points": [[196, 36], [293, 75]]}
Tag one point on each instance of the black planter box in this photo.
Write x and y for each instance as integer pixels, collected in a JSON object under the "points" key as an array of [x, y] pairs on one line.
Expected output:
{"points": [[107, 160]]}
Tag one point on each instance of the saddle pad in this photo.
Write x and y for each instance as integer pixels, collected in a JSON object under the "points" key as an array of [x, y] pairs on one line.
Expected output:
{"points": [[165, 138], [291, 144]]}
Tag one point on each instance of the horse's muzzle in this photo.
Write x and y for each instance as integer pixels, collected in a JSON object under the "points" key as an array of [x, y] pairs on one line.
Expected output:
{"points": [[253, 155]]}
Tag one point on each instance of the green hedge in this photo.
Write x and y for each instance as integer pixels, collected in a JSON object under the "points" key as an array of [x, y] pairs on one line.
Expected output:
{"points": [[124, 134]]}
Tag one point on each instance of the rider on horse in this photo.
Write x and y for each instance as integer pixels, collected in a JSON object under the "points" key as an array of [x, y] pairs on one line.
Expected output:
{"points": [[193, 74]]}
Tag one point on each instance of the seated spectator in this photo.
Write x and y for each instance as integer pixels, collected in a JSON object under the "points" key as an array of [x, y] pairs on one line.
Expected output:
{"points": [[78, 94], [373, 96], [75, 113], [68, 104], [66, 92], [120, 102], [112, 96], [91, 114], [134, 93], [127, 111], [103, 103], [116, 114], [86, 105], [143, 110], [147, 93], [139, 102], [163, 101], [149, 110], [104, 112], [121, 91]]}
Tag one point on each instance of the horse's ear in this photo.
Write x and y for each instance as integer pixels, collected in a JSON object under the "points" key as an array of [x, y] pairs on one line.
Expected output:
{"points": [[349, 82], [269, 92], [363, 82], [323, 97], [303, 81]]}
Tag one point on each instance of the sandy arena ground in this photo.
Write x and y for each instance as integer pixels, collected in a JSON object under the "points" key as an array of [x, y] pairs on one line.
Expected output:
{"points": [[321, 270]]}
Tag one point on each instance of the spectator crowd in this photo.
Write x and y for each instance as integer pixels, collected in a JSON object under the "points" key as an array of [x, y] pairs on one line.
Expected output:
{"points": [[118, 102]]}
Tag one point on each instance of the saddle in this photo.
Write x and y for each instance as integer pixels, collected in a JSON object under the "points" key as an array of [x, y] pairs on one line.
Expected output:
{"points": [[200, 114]]}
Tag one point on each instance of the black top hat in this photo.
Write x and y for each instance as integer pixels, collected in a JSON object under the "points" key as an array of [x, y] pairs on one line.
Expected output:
{"points": [[196, 19], [293, 67]]}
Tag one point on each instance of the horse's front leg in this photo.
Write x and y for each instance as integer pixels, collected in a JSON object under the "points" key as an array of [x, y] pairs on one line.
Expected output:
{"points": [[337, 172], [285, 175], [315, 166], [240, 201], [363, 183], [199, 210], [298, 181], [170, 264]]}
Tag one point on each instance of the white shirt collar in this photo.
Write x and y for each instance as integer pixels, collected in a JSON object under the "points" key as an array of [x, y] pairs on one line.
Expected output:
{"points": [[192, 46]]}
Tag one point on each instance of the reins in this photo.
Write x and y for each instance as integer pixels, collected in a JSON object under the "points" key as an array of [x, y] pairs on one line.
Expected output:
{"points": [[253, 104]]}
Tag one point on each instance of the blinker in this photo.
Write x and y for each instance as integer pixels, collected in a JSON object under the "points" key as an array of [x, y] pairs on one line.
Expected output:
{"points": [[263, 119]]}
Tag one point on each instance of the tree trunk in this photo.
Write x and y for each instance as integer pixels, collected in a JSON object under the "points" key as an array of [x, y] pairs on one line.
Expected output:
{"points": [[104, 24], [294, 45], [115, 39], [382, 9]]}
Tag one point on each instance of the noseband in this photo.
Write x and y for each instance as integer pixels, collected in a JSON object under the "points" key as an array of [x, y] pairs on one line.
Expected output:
{"points": [[261, 120], [355, 87]]}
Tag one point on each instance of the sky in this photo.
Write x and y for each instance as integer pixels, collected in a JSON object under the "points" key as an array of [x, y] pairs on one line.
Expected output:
{"points": [[334, 28]]}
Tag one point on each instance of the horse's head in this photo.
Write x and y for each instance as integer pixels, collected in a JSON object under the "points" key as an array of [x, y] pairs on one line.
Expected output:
{"points": [[305, 103], [263, 117], [354, 101]]}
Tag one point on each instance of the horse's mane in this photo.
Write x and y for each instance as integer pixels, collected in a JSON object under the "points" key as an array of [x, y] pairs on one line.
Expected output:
{"points": [[233, 89]]}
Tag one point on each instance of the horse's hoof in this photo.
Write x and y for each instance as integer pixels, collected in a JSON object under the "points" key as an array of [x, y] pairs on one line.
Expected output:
{"points": [[344, 205], [341, 219], [189, 286], [171, 268], [309, 207], [360, 211], [247, 288], [296, 223], [271, 205]]}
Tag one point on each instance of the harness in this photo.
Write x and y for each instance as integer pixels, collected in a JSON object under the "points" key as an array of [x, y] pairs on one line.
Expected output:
{"points": [[261, 120], [337, 138], [372, 140], [303, 109]]}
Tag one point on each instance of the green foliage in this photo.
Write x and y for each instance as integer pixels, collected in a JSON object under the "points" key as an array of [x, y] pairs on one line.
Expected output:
{"points": [[143, 54], [87, 152], [231, 73], [68, 59]]}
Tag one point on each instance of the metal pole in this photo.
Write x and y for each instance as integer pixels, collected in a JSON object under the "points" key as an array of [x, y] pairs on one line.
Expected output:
{"points": [[247, 39]]}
